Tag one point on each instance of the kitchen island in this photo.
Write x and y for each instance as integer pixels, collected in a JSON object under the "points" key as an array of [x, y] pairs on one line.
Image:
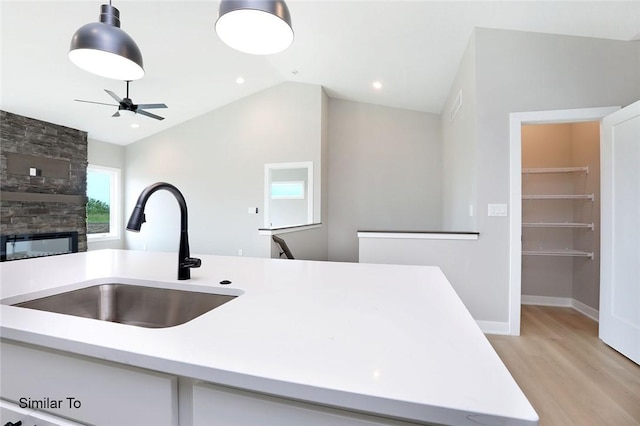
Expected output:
{"points": [[314, 342]]}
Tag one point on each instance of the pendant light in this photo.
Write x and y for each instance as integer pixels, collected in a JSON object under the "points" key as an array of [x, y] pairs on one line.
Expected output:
{"points": [[104, 49], [258, 27]]}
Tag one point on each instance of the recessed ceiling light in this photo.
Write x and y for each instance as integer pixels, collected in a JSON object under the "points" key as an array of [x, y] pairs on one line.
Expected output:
{"points": [[135, 125], [240, 80], [377, 85]]}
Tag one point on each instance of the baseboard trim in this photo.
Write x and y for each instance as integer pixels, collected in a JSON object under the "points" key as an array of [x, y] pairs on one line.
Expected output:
{"points": [[565, 302], [586, 310], [493, 327], [502, 328]]}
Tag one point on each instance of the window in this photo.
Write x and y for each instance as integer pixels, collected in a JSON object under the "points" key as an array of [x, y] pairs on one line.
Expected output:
{"points": [[288, 194], [287, 190], [103, 201]]}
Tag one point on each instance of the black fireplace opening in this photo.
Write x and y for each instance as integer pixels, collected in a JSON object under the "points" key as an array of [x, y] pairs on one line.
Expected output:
{"points": [[27, 246]]}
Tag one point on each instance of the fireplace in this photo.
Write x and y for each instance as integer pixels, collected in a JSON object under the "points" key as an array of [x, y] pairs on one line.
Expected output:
{"points": [[26, 246], [51, 199]]}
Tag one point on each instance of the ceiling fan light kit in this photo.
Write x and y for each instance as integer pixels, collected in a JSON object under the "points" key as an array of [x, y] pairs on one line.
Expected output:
{"points": [[104, 49], [258, 27], [127, 107]]}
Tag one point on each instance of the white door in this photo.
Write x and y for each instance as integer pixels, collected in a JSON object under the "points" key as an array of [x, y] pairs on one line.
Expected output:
{"points": [[620, 233]]}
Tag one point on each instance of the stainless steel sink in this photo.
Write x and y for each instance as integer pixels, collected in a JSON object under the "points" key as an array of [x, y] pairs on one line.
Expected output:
{"points": [[141, 306]]}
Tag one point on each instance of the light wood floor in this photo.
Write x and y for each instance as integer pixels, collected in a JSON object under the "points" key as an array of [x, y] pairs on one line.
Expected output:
{"points": [[568, 374]]}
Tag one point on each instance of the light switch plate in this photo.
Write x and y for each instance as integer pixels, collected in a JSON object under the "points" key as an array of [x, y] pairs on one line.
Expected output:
{"points": [[497, 210]]}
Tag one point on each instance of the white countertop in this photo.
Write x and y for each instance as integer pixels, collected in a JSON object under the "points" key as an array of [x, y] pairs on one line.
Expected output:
{"points": [[386, 339]]}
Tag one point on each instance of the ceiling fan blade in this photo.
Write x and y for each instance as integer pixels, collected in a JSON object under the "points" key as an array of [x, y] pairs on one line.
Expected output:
{"points": [[116, 114], [148, 114], [113, 95], [92, 102], [152, 106]]}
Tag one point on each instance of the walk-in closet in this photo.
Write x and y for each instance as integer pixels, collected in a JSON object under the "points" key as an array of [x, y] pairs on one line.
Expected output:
{"points": [[561, 215]]}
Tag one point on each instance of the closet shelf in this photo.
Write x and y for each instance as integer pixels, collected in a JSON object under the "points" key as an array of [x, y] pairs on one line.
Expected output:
{"points": [[537, 170], [557, 225], [566, 252], [589, 197]]}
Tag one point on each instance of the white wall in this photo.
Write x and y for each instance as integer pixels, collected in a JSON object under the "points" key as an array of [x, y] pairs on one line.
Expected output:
{"points": [[520, 71], [456, 258], [303, 244], [107, 155], [459, 148], [384, 173], [515, 72], [217, 161]]}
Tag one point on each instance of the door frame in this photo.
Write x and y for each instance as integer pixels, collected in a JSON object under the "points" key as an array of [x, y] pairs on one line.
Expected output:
{"points": [[516, 120]]}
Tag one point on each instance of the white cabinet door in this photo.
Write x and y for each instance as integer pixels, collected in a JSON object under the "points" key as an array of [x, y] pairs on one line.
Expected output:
{"points": [[86, 390], [220, 406], [12, 413], [620, 222]]}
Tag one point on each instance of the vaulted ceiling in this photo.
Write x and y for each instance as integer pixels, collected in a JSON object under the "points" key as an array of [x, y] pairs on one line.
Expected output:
{"points": [[412, 47]]}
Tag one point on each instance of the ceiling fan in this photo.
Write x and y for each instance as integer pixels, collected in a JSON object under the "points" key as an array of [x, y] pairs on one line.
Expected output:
{"points": [[127, 104]]}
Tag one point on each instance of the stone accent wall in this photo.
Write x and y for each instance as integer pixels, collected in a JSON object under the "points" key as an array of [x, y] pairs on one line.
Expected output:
{"points": [[54, 200]]}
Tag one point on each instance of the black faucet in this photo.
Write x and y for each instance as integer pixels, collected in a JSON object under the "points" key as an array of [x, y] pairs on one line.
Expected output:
{"points": [[185, 262]]}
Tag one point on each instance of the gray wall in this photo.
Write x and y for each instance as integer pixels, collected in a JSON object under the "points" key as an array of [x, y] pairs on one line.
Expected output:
{"points": [[217, 161], [108, 155], [384, 172], [514, 72], [520, 71], [459, 149], [586, 152], [321, 251]]}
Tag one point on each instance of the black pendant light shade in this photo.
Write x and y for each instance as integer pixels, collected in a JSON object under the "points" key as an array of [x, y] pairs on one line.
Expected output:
{"points": [[258, 27], [104, 49]]}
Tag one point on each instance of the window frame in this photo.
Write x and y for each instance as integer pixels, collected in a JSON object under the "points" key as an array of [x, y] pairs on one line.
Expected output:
{"points": [[115, 192], [268, 169]]}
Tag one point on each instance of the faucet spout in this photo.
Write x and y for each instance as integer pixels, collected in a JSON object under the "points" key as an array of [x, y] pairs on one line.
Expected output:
{"points": [[185, 261]]}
